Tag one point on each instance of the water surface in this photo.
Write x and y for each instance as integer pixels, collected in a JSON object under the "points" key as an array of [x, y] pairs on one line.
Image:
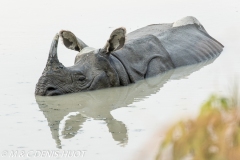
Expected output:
{"points": [[114, 123]]}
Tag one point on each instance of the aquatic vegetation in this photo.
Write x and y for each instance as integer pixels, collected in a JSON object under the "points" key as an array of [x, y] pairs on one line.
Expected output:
{"points": [[213, 135]]}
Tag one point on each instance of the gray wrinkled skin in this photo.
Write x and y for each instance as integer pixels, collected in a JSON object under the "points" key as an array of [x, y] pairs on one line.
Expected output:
{"points": [[144, 53]]}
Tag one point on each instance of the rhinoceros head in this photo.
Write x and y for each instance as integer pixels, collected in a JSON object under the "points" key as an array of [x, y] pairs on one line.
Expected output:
{"points": [[92, 70]]}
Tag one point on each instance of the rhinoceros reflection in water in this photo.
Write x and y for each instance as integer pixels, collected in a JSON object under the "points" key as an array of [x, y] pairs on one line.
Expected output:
{"points": [[98, 104]]}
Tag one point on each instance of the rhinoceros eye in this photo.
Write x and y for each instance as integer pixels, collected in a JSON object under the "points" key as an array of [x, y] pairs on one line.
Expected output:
{"points": [[78, 77], [81, 78]]}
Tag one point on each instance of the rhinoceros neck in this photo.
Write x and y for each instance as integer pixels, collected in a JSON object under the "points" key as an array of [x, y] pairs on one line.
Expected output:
{"points": [[120, 69]]}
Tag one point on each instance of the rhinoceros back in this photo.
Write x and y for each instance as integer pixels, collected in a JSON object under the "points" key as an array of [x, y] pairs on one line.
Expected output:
{"points": [[188, 45], [154, 29], [169, 47]]}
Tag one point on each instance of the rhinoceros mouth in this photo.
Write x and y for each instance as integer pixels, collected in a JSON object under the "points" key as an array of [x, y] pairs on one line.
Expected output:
{"points": [[53, 93], [49, 90]]}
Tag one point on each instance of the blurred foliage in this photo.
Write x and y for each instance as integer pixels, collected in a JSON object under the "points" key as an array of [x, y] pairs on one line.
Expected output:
{"points": [[213, 135]]}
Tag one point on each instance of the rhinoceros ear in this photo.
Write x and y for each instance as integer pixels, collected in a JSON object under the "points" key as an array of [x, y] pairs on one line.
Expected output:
{"points": [[116, 40], [71, 41]]}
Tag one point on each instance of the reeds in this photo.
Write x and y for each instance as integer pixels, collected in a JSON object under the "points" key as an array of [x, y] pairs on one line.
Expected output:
{"points": [[213, 135]]}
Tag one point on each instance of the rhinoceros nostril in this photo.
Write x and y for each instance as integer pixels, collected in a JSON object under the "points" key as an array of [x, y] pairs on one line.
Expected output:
{"points": [[51, 91], [51, 88]]}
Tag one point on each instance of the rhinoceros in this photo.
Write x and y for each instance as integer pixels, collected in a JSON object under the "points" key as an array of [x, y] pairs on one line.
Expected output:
{"points": [[126, 59]]}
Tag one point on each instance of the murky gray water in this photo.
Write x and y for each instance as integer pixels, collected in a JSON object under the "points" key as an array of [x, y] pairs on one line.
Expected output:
{"points": [[112, 123]]}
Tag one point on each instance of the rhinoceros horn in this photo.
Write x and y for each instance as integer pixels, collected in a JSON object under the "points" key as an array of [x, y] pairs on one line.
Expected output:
{"points": [[53, 62]]}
